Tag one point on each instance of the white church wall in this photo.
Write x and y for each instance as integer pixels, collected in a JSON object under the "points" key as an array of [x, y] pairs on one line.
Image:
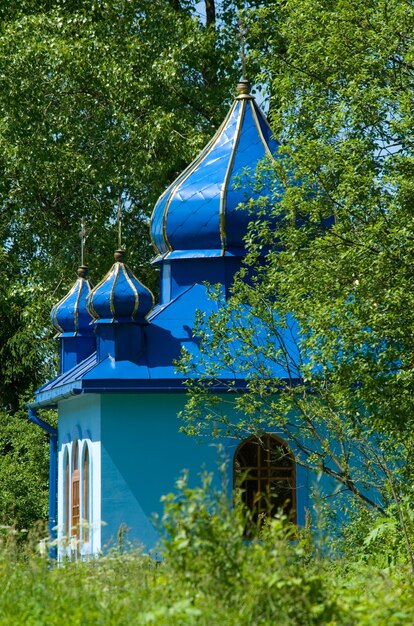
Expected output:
{"points": [[79, 422]]}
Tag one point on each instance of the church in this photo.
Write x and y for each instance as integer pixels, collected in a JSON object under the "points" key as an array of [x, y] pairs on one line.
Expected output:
{"points": [[118, 446]]}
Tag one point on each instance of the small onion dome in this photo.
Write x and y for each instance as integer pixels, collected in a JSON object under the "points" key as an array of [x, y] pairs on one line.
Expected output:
{"points": [[120, 297], [199, 214], [70, 316]]}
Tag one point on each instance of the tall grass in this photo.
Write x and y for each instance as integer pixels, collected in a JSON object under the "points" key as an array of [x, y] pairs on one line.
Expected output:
{"points": [[210, 575]]}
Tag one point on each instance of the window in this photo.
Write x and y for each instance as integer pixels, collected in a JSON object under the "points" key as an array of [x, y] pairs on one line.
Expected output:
{"points": [[75, 492], [66, 488], [85, 493], [265, 471]]}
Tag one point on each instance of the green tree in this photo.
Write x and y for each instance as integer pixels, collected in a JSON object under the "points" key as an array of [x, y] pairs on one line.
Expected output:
{"points": [[101, 103], [341, 79]]}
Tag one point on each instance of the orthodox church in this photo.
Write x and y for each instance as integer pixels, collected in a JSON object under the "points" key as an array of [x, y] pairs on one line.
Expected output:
{"points": [[118, 448]]}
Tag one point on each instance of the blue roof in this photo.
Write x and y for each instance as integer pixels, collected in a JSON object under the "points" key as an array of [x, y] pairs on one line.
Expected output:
{"points": [[70, 315], [120, 296], [169, 330], [199, 214]]}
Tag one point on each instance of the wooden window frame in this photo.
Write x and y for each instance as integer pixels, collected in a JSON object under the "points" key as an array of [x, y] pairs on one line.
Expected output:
{"points": [[75, 492], [266, 472]]}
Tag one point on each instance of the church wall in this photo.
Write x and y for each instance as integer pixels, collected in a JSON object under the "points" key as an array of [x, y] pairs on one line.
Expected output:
{"points": [[143, 455], [79, 420], [136, 455]]}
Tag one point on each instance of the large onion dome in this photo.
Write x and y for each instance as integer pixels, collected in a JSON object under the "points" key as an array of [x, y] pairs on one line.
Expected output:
{"points": [[199, 215], [70, 316], [120, 296]]}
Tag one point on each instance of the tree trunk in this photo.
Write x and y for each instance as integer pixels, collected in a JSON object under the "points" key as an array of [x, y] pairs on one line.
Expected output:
{"points": [[210, 13]]}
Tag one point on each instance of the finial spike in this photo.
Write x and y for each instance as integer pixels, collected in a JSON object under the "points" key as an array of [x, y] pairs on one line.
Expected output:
{"points": [[120, 216], [242, 36], [83, 237]]}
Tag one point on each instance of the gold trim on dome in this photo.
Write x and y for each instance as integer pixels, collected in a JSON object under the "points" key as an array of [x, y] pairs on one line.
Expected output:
{"points": [[76, 309], [164, 193], [242, 97], [116, 268], [185, 175], [157, 252], [264, 118], [223, 192], [89, 305], [134, 290], [90, 288], [192, 167], [55, 323], [260, 132], [144, 287], [61, 301]]}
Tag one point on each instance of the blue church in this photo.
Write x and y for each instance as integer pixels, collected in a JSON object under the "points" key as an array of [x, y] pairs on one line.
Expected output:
{"points": [[118, 448]]}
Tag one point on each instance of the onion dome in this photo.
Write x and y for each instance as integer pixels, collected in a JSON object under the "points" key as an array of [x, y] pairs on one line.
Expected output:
{"points": [[120, 297], [70, 316], [199, 214]]}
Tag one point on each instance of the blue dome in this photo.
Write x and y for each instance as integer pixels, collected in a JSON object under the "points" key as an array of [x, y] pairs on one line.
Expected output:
{"points": [[198, 215], [70, 316], [120, 297]]}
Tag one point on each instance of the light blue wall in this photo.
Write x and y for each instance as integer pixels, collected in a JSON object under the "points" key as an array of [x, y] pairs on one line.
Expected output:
{"points": [[137, 455], [79, 416], [80, 419], [143, 454]]}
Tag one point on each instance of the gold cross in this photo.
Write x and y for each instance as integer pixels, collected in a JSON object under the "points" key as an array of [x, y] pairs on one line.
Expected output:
{"points": [[120, 216], [242, 36], [83, 236]]}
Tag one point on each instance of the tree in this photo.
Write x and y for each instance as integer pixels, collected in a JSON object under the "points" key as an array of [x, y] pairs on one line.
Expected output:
{"points": [[341, 79], [101, 103]]}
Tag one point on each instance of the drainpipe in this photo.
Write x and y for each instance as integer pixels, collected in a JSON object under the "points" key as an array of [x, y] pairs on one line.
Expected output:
{"points": [[52, 432]]}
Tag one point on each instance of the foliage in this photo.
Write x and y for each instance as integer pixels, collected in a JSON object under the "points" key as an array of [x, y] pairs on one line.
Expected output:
{"points": [[84, 125], [206, 543], [348, 153], [330, 309], [102, 102], [209, 575], [24, 470]]}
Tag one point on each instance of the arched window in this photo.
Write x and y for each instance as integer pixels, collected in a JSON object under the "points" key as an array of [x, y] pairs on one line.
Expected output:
{"points": [[85, 493], [66, 491], [75, 492], [265, 471]]}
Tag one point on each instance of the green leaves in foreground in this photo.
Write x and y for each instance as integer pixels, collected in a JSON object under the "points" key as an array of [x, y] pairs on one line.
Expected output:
{"points": [[339, 271], [210, 575]]}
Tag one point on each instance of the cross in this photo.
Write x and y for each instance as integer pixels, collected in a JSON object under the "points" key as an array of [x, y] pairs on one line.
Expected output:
{"points": [[83, 237], [242, 36], [120, 216]]}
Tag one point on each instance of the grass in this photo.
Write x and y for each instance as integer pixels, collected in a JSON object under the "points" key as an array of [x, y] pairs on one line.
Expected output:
{"points": [[210, 576]]}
